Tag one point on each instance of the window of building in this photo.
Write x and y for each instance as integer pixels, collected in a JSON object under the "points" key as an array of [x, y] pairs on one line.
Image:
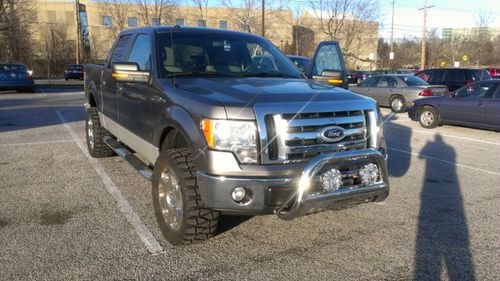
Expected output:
{"points": [[179, 22], [202, 23], [107, 21], [223, 24], [155, 21], [70, 17], [52, 16], [132, 21]]}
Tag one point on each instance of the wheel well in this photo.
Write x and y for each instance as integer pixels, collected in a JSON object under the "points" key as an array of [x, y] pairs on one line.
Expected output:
{"points": [[172, 138], [395, 95], [92, 101]]}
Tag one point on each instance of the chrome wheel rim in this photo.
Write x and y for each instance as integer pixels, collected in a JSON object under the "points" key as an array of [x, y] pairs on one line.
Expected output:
{"points": [[427, 118], [170, 197], [397, 104], [90, 132]]}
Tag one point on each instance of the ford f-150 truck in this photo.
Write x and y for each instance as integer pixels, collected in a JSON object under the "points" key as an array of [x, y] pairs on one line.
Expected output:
{"points": [[223, 122]]}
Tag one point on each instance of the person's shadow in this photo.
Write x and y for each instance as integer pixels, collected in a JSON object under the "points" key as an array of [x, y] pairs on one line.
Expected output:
{"points": [[443, 237]]}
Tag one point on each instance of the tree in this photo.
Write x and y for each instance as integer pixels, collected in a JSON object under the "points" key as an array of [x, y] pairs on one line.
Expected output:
{"points": [[117, 10], [15, 20], [202, 8], [351, 22], [160, 10]]}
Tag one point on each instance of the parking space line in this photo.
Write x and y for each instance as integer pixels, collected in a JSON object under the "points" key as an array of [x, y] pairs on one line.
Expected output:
{"points": [[445, 161], [152, 245], [34, 143], [444, 135]]}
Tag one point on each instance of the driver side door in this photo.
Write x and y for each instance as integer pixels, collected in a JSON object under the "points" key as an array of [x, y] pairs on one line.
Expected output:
{"points": [[328, 65]]}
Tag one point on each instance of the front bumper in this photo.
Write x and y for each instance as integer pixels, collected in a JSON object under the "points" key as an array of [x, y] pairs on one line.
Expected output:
{"points": [[291, 197]]}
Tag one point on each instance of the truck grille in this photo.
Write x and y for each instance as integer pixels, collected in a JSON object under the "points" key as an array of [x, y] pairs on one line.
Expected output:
{"points": [[296, 137]]}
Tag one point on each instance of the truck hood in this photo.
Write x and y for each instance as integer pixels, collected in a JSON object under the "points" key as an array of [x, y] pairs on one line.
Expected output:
{"points": [[240, 95]]}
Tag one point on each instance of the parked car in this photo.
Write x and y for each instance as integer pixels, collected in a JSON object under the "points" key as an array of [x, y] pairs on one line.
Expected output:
{"points": [[226, 133], [453, 78], [15, 76], [360, 76], [475, 105], [303, 63], [74, 71], [398, 91]]}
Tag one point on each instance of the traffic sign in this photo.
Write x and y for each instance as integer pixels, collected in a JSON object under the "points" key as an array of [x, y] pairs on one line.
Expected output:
{"points": [[465, 58], [442, 63]]}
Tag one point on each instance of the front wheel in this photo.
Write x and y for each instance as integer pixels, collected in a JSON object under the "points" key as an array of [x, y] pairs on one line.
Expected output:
{"points": [[428, 117], [95, 135], [177, 202]]}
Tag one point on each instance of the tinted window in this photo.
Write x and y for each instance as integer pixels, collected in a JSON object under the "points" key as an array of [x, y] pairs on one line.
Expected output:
{"points": [[480, 74], [437, 76], [389, 82], [327, 59], [479, 90], [413, 81], [12, 67], [369, 82], [120, 49], [424, 75], [75, 67], [141, 52], [456, 76]]}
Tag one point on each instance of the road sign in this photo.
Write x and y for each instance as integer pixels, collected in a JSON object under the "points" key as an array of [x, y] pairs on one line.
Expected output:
{"points": [[391, 55], [465, 58], [442, 64]]}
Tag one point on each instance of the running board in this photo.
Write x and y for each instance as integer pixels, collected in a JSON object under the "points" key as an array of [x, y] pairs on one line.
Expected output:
{"points": [[128, 155]]}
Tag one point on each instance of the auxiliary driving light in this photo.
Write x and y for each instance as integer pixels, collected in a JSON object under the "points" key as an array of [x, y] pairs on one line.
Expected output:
{"points": [[332, 180], [369, 173], [239, 193]]}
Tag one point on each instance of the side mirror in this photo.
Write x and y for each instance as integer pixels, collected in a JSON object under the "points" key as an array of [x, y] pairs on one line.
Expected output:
{"points": [[129, 72]]}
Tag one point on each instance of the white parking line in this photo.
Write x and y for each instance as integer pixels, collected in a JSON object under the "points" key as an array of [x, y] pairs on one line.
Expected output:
{"points": [[444, 135], [446, 161], [34, 143], [152, 245]]}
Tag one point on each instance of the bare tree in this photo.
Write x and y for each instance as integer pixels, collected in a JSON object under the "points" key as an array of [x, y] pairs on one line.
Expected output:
{"points": [[202, 8], [155, 9], [351, 22], [15, 30]]}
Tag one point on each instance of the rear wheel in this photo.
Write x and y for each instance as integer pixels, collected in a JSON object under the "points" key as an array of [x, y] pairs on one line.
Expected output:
{"points": [[398, 104], [428, 117], [177, 202], [95, 135]]}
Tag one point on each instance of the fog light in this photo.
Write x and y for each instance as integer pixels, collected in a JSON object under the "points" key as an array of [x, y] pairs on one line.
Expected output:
{"points": [[369, 173], [239, 193], [331, 180]]}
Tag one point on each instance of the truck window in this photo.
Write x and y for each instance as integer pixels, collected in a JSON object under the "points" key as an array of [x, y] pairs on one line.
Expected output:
{"points": [[327, 59], [120, 49], [141, 52]]}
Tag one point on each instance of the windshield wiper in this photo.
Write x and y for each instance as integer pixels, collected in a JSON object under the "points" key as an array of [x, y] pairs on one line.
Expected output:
{"points": [[201, 73], [267, 74]]}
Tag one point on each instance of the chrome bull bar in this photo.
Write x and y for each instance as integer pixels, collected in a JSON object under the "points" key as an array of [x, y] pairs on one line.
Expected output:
{"points": [[301, 203]]}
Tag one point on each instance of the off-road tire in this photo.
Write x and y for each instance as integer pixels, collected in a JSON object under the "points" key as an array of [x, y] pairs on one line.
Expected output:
{"points": [[99, 149], [198, 223], [403, 102], [429, 111]]}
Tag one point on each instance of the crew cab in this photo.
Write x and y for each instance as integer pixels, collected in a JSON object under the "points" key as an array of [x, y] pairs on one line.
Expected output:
{"points": [[219, 130]]}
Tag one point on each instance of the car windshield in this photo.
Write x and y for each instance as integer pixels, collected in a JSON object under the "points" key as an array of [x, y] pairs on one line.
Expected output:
{"points": [[480, 74], [413, 81], [12, 67], [75, 67], [221, 54]]}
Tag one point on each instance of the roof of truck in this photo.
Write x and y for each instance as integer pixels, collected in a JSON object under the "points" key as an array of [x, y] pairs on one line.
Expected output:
{"points": [[177, 28]]}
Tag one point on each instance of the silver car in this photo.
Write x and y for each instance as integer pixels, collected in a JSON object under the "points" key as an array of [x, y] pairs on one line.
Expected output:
{"points": [[398, 91]]}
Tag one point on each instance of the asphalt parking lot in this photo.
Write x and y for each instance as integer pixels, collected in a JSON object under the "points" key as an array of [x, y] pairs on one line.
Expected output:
{"points": [[64, 215]]}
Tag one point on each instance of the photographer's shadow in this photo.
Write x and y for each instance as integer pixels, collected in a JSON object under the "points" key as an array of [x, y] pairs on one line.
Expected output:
{"points": [[443, 238]]}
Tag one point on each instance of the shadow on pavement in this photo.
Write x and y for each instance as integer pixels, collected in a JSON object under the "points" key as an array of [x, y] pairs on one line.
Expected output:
{"points": [[443, 238], [228, 222], [399, 163]]}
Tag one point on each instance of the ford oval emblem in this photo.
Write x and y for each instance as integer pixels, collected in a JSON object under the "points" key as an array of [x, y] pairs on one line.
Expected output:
{"points": [[332, 133]]}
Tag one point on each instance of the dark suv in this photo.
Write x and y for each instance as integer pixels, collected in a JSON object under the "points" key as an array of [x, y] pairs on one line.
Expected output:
{"points": [[453, 78]]}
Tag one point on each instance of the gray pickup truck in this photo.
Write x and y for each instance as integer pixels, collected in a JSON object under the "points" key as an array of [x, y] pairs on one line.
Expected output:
{"points": [[223, 122]]}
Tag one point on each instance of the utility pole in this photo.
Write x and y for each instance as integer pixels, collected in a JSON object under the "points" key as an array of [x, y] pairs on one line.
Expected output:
{"points": [[392, 34], [424, 35], [77, 14], [263, 18]]}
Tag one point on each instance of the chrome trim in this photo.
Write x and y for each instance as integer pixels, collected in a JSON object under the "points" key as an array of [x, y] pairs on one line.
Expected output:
{"points": [[326, 121], [372, 129], [295, 205]]}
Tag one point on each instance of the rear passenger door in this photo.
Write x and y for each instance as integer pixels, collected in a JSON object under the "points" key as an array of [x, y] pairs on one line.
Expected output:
{"points": [[108, 83]]}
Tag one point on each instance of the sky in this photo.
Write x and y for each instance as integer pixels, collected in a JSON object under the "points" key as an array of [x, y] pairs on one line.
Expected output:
{"points": [[408, 20]]}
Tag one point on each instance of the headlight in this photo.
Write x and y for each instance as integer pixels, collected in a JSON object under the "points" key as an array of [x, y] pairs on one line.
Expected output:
{"points": [[238, 137]]}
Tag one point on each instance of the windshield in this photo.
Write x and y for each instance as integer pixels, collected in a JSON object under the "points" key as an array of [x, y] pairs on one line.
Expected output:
{"points": [[75, 67], [221, 54], [12, 67], [414, 81]]}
